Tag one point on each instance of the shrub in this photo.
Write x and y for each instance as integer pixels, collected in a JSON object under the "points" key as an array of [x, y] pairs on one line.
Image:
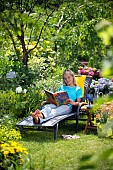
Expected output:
{"points": [[104, 117], [8, 133], [19, 105], [21, 102], [11, 154]]}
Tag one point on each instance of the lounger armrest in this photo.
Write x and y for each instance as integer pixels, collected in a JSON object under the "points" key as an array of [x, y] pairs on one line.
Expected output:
{"points": [[80, 105]]}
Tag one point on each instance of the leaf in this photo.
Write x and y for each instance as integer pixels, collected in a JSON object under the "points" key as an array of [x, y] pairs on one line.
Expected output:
{"points": [[107, 68]]}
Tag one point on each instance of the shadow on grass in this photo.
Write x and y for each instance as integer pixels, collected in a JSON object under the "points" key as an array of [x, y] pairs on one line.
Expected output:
{"points": [[65, 127]]}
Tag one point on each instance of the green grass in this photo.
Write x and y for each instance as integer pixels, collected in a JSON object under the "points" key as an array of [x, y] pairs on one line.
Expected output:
{"points": [[47, 154]]}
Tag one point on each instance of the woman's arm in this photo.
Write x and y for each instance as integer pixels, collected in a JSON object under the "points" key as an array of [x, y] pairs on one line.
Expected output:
{"points": [[69, 101]]}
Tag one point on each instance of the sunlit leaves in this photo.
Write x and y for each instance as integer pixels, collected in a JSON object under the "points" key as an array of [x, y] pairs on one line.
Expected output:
{"points": [[68, 36], [105, 29], [107, 68], [105, 32]]}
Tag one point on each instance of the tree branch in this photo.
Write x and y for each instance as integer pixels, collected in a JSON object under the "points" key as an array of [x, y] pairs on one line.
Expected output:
{"points": [[60, 21], [41, 32], [12, 39], [63, 24]]}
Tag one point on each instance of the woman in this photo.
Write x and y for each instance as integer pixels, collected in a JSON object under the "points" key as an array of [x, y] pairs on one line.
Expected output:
{"points": [[51, 110]]}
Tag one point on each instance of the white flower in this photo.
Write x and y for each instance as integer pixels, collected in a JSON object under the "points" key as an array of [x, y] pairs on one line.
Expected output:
{"points": [[25, 91], [19, 89]]}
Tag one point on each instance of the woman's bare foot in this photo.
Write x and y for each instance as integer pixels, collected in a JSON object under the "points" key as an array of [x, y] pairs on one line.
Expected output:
{"points": [[36, 120], [34, 114], [38, 114]]}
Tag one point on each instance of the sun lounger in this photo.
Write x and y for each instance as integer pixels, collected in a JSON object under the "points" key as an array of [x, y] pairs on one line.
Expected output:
{"points": [[53, 124], [50, 125]]}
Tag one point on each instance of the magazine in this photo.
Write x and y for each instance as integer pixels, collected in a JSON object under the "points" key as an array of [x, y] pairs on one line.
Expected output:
{"points": [[57, 98]]}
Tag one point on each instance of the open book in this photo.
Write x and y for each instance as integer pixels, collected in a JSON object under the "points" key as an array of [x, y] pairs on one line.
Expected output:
{"points": [[57, 98]]}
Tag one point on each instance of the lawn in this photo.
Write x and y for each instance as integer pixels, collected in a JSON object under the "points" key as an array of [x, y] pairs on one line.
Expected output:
{"points": [[47, 154]]}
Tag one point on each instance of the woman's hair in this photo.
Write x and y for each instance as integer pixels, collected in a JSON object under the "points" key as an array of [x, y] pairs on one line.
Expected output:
{"points": [[72, 74]]}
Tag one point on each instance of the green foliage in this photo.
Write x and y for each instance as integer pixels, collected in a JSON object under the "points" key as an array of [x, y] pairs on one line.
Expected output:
{"points": [[91, 162], [76, 38], [69, 31], [8, 133], [19, 105], [50, 84], [105, 30], [11, 152]]}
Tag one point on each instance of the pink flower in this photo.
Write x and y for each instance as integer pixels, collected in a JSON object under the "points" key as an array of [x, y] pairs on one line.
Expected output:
{"points": [[83, 71], [90, 69], [79, 72], [91, 73]]}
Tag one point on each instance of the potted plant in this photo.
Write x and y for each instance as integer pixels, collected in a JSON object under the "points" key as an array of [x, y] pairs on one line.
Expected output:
{"points": [[89, 71], [104, 115]]}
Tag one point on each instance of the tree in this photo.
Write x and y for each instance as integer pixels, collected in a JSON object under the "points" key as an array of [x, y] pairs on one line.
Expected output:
{"points": [[67, 26], [21, 20], [75, 34]]}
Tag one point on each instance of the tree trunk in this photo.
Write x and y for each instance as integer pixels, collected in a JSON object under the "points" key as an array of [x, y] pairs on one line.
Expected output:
{"points": [[25, 52]]}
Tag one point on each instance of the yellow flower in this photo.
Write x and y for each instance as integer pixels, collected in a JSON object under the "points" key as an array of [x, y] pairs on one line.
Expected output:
{"points": [[14, 143], [42, 94], [37, 91], [94, 69], [4, 145], [111, 117], [5, 153], [12, 151], [47, 42], [25, 151]]}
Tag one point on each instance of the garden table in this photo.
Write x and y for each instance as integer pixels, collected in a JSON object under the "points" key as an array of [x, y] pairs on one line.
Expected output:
{"points": [[90, 117]]}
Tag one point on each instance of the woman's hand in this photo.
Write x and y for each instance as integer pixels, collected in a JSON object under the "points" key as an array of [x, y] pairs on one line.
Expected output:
{"points": [[48, 100], [69, 101]]}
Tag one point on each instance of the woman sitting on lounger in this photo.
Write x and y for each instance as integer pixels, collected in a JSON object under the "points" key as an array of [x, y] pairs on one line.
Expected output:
{"points": [[51, 110]]}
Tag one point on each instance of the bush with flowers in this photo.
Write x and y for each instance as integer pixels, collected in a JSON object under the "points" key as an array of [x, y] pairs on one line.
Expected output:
{"points": [[11, 152], [104, 117], [20, 103], [90, 71], [9, 133], [103, 85]]}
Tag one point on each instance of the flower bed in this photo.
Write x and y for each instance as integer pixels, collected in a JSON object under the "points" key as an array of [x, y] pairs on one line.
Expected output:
{"points": [[103, 85], [12, 153], [89, 71], [104, 115]]}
